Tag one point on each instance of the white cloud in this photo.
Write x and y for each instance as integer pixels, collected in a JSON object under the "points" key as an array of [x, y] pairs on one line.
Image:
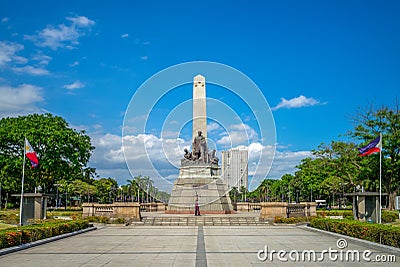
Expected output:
{"points": [[8, 52], [19, 100], [286, 161], [62, 36], [165, 155], [42, 59], [144, 58], [239, 134], [146, 154], [31, 70], [4, 20], [81, 21], [74, 85], [124, 35], [76, 63], [297, 102], [213, 127]]}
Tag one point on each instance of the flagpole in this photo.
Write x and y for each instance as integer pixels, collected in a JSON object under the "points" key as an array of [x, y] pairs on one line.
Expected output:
{"points": [[22, 188], [380, 180]]}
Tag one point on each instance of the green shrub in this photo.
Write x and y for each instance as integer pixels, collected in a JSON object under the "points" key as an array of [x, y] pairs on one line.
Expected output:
{"points": [[389, 216], [30, 233], [349, 217], [384, 234], [98, 219], [10, 205], [292, 220], [106, 220], [119, 221]]}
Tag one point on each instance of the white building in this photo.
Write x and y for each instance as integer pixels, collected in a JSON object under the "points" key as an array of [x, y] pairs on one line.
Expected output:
{"points": [[234, 168]]}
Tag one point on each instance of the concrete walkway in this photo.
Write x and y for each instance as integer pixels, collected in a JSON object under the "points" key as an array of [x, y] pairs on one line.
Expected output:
{"points": [[192, 246]]}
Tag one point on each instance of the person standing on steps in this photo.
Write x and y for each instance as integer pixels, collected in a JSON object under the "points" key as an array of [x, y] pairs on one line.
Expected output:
{"points": [[196, 206]]}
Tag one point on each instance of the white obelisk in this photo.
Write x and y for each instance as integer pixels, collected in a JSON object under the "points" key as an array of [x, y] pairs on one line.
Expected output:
{"points": [[199, 106]]}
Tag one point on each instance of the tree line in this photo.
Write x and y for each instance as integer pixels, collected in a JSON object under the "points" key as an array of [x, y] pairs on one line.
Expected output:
{"points": [[63, 170], [332, 170], [337, 168]]}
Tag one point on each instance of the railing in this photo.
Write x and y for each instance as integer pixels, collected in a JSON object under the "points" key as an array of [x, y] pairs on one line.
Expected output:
{"points": [[255, 207], [104, 208], [247, 207], [270, 210], [296, 210]]}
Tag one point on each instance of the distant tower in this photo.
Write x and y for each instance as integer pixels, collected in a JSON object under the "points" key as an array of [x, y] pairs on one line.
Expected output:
{"points": [[235, 168], [199, 106]]}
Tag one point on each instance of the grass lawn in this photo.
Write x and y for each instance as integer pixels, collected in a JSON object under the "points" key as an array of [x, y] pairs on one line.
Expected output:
{"points": [[63, 213], [5, 226], [11, 216]]}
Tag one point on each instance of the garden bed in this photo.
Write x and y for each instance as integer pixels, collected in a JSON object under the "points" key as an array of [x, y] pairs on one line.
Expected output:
{"points": [[30, 233], [378, 233]]}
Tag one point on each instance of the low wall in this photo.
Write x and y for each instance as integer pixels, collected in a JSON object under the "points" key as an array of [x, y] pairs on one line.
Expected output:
{"points": [[152, 207], [247, 206], [127, 210], [270, 210]]}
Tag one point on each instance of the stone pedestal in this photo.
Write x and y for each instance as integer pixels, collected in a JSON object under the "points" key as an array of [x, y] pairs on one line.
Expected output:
{"points": [[366, 206], [34, 207], [201, 183]]}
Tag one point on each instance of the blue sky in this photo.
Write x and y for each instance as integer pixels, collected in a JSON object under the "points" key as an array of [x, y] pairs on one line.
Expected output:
{"points": [[315, 62]]}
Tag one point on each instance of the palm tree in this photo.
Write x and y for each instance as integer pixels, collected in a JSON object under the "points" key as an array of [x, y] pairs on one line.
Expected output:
{"points": [[234, 193], [140, 182], [243, 192], [264, 188], [134, 189], [150, 191]]}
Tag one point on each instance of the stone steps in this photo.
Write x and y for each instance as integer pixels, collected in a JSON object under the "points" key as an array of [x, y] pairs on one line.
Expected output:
{"points": [[204, 221]]}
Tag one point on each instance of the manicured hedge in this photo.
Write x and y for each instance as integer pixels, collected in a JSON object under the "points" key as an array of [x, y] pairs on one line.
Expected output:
{"points": [[389, 216], [25, 234], [105, 220], [379, 233], [292, 220]]}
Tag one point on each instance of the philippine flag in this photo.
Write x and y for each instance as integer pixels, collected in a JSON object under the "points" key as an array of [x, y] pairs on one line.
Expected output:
{"points": [[31, 154], [373, 147]]}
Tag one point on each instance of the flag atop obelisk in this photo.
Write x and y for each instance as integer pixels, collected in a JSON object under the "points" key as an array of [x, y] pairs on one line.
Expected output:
{"points": [[199, 106]]}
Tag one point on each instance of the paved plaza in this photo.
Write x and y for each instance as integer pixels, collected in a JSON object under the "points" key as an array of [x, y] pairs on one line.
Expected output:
{"points": [[191, 246]]}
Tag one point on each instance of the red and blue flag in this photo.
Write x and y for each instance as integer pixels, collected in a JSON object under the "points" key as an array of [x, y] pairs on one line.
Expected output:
{"points": [[373, 147], [31, 154]]}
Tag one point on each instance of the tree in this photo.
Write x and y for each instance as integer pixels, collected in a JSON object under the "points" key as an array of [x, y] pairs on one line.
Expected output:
{"points": [[264, 189], [104, 189], [63, 152], [243, 193], [135, 188], [234, 194], [370, 123], [82, 189]]}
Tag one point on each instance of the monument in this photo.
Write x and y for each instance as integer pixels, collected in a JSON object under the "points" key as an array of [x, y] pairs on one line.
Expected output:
{"points": [[199, 186]]}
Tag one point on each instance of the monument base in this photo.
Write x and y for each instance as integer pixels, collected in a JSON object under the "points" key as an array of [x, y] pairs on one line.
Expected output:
{"points": [[201, 184]]}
